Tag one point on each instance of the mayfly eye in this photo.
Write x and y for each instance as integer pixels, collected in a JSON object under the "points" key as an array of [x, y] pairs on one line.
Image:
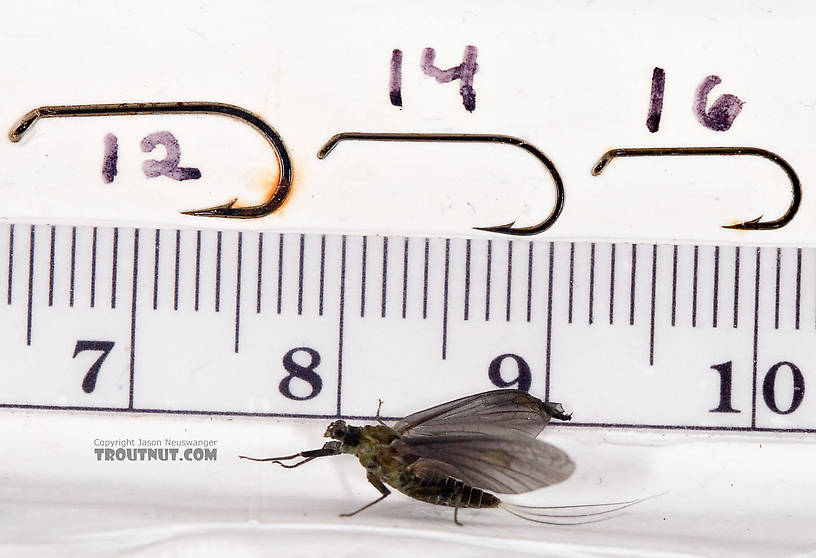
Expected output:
{"points": [[337, 429]]}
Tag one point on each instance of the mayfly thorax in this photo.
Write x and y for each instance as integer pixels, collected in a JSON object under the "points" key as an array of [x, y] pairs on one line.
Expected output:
{"points": [[458, 453]]}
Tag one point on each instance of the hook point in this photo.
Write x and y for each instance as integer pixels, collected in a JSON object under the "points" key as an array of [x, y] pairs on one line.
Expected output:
{"points": [[507, 228], [753, 224], [215, 211]]}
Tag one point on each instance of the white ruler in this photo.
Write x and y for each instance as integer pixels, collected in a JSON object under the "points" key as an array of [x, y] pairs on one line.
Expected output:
{"points": [[312, 325]]}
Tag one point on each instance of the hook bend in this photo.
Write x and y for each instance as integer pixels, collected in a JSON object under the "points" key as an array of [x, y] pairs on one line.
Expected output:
{"points": [[506, 228], [274, 201], [753, 224]]}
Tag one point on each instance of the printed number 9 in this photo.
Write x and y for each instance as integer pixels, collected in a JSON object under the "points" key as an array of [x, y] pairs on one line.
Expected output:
{"points": [[306, 373], [522, 380]]}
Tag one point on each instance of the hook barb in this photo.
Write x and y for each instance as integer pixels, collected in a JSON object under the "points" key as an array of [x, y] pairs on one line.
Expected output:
{"points": [[753, 224], [507, 228], [275, 200]]}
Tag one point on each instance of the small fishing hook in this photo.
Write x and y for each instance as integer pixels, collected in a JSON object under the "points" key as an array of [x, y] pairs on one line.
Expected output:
{"points": [[469, 138], [276, 198], [753, 224]]}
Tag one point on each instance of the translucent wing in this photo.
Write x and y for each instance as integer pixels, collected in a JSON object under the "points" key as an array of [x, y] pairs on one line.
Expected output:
{"points": [[507, 465], [503, 412]]}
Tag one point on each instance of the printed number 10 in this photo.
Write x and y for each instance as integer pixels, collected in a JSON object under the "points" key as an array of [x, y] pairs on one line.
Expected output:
{"points": [[768, 388]]}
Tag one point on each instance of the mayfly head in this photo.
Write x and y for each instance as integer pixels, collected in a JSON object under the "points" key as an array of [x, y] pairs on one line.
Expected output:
{"points": [[348, 435], [545, 410], [555, 410]]}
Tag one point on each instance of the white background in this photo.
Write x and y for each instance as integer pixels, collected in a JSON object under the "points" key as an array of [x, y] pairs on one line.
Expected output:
{"points": [[573, 79]]}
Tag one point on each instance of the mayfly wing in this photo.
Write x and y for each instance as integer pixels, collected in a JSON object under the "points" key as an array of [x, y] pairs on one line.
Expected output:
{"points": [[506, 464], [496, 413]]}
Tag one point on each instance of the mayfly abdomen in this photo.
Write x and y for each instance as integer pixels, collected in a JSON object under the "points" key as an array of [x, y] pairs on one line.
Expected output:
{"points": [[449, 491]]}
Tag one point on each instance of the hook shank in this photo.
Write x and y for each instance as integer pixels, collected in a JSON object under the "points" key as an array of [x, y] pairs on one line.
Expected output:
{"points": [[275, 200], [507, 228], [753, 224]]}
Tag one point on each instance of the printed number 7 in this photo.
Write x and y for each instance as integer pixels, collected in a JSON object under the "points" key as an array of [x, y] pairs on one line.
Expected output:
{"points": [[89, 382]]}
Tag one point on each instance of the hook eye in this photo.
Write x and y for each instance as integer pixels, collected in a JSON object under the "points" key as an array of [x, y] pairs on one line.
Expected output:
{"points": [[507, 228], [275, 199], [753, 224]]}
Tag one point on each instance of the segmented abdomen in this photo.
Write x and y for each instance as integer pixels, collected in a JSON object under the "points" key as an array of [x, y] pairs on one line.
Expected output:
{"points": [[447, 491]]}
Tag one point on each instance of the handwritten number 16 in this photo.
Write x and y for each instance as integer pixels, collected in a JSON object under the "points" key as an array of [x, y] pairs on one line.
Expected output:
{"points": [[719, 117]]}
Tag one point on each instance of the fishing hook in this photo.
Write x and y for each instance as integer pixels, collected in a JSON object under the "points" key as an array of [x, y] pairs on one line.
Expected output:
{"points": [[753, 224], [275, 200], [469, 138]]}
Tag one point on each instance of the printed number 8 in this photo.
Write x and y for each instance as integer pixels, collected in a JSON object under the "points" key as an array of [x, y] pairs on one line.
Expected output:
{"points": [[306, 373]]}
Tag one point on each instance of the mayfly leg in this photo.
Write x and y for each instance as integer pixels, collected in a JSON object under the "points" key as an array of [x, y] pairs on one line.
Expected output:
{"points": [[379, 485], [377, 416], [326, 450], [456, 510]]}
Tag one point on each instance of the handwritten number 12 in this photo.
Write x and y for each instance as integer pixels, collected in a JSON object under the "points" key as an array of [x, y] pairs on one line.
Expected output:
{"points": [[169, 166]]}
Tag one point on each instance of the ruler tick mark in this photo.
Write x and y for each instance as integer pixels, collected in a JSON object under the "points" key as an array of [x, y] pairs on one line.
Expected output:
{"points": [[571, 281], [177, 270], [73, 269], [10, 261], [445, 302], [548, 353], [302, 248], [467, 280], [238, 290], [654, 293], [363, 263], [530, 281], [405, 278], [736, 285], [778, 277], [714, 302], [114, 265], [51, 267], [133, 315], [197, 270], [509, 279], [322, 273], [384, 275], [612, 284], [756, 339], [218, 272], [674, 288], [260, 274], [156, 252], [280, 272], [591, 282], [340, 324], [632, 282], [425, 280], [798, 285], [487, 280], [93, 267], [30, 285], [694, 288]]}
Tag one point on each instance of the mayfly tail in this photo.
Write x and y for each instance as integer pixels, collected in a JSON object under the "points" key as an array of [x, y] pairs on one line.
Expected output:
{"points": [[519, 511], [599, 512]]}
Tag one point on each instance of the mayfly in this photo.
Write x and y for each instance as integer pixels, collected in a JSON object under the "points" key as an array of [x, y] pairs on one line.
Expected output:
{"points": [[457, 453]]}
